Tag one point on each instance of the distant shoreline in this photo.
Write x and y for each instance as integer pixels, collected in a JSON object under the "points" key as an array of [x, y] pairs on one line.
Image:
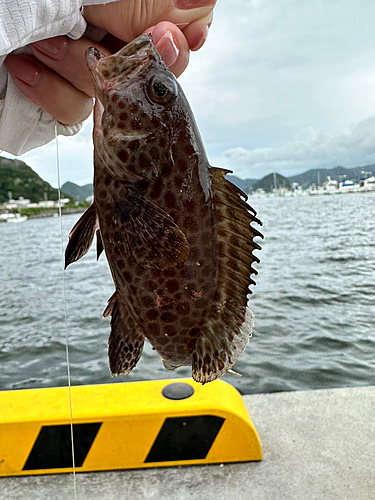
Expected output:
{"points": [[44, 213], [53, 213]]}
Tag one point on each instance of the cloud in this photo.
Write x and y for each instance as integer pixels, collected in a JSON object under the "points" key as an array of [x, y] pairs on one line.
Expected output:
{"points": [[284, 86], [310, 150]]}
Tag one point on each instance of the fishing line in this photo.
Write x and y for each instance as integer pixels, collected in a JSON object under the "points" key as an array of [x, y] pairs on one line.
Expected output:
{"points": [[65, 312]]}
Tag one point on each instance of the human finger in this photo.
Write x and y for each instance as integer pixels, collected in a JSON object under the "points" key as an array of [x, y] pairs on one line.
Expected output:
{"points": [[172, 46], [67, 58], [196, 33], [48, 90], [127, 19]]}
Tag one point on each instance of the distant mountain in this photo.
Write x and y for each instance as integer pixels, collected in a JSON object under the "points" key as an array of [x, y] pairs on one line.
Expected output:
{"points": [[319, 176], [77, 192], [82, 192], [243, 184], [19, 179], [271, 181]]}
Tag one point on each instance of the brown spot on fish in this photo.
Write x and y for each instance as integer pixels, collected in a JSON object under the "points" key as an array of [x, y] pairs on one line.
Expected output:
{"points": [[168, 317], [152, 314], [133, 145], [136, 124], [172, 286], [177, 235], [162, 142], [169, 200], [144, 162], [133, 108], [122, 155], [162, 300]]}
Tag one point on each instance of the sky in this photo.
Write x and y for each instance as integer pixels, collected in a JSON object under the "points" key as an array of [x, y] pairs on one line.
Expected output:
{"points": [[279, 86]]}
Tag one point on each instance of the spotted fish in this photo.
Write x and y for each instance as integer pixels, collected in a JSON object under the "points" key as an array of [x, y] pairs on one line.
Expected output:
{"points": [[177, 235]]}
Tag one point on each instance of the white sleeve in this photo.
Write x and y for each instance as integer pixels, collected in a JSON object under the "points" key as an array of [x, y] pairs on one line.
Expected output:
{"points": [[23, 125]]}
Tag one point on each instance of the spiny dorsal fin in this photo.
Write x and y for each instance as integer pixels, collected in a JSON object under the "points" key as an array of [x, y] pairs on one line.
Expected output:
{"points": [[235, 233], [228, 328], [81, 236], [126, 340]]}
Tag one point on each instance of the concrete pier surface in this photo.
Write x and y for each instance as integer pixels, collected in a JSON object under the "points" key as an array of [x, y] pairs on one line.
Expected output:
{"points": [[317, 445]]}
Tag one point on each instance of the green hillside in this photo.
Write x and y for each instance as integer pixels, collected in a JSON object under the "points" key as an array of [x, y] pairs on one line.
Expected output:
{"points": [[21, 180], [77, 192], [271, 181]]}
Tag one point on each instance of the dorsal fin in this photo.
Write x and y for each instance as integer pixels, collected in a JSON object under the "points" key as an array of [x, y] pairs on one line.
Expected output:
{"points": [[228, 328], [236, 234]]}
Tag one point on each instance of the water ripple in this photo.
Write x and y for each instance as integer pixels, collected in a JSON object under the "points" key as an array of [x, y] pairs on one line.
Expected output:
{"points": [[313, 303]]}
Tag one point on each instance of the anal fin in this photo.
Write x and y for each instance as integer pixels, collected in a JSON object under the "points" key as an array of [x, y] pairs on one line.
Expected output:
{"points": [[126, 340], [81, 236]]}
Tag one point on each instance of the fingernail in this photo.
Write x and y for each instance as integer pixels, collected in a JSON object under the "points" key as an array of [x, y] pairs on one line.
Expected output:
{"points": [[56, 48], [200, 40], [168, 49], [192, 4], [23, 69]]}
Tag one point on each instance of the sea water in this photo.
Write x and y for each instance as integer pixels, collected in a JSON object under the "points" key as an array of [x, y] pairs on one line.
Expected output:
{"points": [[314, 303]]}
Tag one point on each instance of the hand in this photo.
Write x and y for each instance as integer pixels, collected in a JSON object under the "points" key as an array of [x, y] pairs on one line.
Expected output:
{"points": [[55, 77], [127, 19]]}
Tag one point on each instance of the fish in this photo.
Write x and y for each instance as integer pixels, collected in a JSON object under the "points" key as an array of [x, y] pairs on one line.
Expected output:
{"points": [[177, 235]]}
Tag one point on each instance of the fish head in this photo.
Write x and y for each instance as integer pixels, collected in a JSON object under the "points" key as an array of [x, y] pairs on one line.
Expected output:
{"points": [[137, 109]]}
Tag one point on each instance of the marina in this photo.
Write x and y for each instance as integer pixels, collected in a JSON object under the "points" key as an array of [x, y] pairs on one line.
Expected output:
{"points": [[329, 187]]}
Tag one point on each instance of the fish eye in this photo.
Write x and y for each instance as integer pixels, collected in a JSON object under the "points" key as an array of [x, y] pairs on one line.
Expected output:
{"points": [[159, 88], [162, 89]]}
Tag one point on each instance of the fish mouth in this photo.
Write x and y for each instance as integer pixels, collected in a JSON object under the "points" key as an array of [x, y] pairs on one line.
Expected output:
{"points": [[132, 56], [108, 72]]}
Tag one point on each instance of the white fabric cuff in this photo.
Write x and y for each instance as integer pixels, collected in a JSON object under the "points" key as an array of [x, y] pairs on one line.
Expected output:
{"points": [[23, 125]]}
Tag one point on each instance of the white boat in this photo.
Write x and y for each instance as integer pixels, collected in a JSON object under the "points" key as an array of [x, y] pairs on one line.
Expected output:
{"points": [[348, 186], [330, 186], [368, 184], [15, 218]]}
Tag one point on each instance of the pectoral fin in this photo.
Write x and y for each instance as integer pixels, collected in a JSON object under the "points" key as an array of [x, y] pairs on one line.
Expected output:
{"points": [[126, 340], [149, 235], [99, 244], [81, 236]]}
